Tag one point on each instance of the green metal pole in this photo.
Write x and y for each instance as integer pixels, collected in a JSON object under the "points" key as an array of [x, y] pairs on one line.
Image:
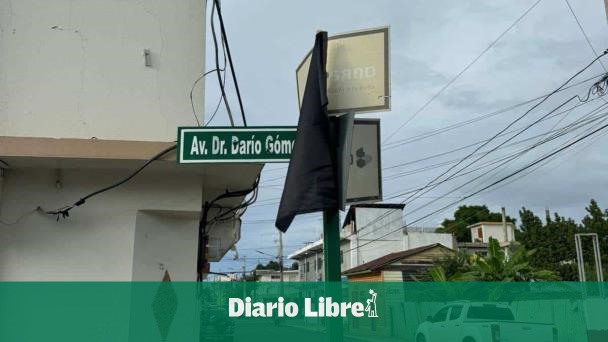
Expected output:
{"points": [[331, 245], [331, 265]]}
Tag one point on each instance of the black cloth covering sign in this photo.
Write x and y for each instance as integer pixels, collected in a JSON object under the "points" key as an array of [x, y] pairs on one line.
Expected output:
{"points": [[311, 184]]}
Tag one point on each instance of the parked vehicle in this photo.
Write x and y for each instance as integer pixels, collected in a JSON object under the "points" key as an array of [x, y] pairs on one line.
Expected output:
{"points": [[481, 322]]}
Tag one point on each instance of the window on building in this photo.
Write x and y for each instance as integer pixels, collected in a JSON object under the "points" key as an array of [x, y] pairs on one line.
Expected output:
{"points": [[320, 263], [307, 267], [480, 233], [275, 277], [341, 257]]}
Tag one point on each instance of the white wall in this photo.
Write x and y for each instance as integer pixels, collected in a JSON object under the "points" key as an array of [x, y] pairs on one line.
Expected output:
{"points": [[369, 227], [165, 242], [75, 69], [97, 241], [419, 239], [496, 231]]}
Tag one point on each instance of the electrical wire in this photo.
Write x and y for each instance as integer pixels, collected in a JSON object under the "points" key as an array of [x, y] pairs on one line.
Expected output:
{"points": [[498, 167], [433, 166], [219, 100], [227, 49], [580, 26], [64, 212], [467, 67], [454, 126], [567, 129], [491, 185], [397, 176], [598, 87], [513, 123], [217, 65], [198, 123], [388, 168], [17, 220], [428, 134]]}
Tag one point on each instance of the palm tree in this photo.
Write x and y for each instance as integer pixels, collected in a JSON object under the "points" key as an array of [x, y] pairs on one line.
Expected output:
{"points": [[496, 266]]}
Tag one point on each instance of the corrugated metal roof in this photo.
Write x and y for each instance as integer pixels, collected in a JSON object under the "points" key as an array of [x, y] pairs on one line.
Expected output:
{"points": [[377, 264]]}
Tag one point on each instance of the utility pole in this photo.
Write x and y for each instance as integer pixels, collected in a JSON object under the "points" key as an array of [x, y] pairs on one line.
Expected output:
{"points": [[606, 6], [244, 267]]}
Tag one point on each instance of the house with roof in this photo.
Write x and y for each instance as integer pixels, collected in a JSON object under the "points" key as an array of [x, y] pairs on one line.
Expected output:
{"points": [[406, 265], [481, 232], [370, 231], [275, 276]]}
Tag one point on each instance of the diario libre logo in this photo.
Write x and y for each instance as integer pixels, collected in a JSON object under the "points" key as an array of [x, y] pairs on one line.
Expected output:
{"points": [[325, 308]]}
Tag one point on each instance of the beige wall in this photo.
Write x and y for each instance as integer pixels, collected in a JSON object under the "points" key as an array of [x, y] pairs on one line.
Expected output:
{"points": [[75, 69], [96, 243]]}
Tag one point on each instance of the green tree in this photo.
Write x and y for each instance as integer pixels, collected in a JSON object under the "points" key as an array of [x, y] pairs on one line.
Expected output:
{"points": [[596, 221], [451, 267], [553, 243], [496, 266], [271, 265], [467, 215]]}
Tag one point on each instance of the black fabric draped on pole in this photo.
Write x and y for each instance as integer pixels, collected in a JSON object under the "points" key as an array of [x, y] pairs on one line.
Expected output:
{"points": [[311, 177]]}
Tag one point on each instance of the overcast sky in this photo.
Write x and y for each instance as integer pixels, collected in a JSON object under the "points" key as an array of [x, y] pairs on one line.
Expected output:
{"points": [[431, 42]]}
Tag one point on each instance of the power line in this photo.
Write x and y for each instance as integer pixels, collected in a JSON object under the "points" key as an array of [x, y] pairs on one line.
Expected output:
{"points": [[274, 201], [198, 123], [509, 158], [477, 142], [467, 67], [217, 63], [227, 49], [428, 134], [64, 212], [580, 26], [433, 185], [493, 184], [512, 123], [515, 156], [451, 127]]}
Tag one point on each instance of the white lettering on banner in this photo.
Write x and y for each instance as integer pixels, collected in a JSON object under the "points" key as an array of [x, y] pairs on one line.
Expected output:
{"points": [[325, 307]]}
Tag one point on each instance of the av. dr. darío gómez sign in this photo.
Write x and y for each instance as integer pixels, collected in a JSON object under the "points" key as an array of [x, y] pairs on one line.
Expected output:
{"points": [[235, 144]]}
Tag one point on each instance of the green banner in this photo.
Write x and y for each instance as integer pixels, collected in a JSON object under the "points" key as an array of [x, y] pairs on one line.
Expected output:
{"points": [[235, 144], [248, 311]]}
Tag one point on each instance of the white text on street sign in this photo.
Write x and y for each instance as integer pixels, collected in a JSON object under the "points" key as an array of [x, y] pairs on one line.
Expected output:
{"points": [[235, 144]]}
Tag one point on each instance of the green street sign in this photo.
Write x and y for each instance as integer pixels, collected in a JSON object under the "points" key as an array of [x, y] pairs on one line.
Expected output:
{"points": [[235, 144]]}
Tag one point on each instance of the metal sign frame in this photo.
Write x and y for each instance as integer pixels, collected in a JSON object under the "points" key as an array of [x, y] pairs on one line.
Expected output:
{"points": [[369, 199], [387, 91]]}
